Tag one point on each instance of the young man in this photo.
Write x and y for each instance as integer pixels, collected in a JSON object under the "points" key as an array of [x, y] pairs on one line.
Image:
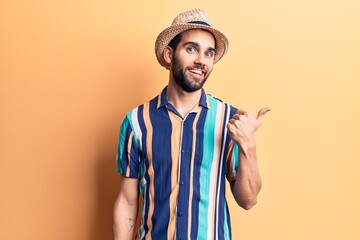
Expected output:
{"points": [[177, 149]]}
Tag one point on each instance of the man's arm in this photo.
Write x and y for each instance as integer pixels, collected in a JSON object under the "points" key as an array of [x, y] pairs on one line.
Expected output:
{"points": [[247, 185], [125, 210]]}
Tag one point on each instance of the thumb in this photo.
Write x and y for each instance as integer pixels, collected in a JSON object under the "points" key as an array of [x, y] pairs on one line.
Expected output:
{"points": [[261, 114]]}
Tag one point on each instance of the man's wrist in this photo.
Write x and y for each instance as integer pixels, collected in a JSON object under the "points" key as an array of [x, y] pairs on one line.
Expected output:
{"points": [[247, 148]]}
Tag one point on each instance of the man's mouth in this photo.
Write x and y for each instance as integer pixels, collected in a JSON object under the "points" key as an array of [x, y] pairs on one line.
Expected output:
{"points": [[197, 71]]}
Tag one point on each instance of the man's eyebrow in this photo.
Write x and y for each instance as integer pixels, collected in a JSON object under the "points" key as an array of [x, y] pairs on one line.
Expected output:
{"points": [[212, 49], [191, 43], [195, 44]]}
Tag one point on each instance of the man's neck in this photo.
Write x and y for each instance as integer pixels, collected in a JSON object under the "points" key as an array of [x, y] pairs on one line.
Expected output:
{"points": [[183, 101]]}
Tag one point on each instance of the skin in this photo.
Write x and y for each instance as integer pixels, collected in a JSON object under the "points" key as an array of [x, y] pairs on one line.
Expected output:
{"points": [[190, 66], [125, 209], [242, 128], [195, 55]]}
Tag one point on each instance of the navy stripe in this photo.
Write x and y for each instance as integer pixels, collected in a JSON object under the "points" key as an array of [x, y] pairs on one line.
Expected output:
{"points": [[161, 159], [140, 114], [196, 180], [228, 220], [185, 165], [124, 164]]}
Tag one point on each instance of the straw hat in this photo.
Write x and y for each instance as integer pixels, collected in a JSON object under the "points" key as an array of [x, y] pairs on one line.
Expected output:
{"points": [[192, 19]]}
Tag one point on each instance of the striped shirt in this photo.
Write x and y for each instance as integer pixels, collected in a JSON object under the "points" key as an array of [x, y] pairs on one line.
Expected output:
{"points": [[181, 164]]}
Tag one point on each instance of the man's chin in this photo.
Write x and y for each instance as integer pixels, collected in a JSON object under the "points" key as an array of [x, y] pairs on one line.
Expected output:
{"points": [[192, 88]]}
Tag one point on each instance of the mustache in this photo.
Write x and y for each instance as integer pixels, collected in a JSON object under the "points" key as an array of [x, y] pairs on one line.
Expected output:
{"points": [[198, 67]]}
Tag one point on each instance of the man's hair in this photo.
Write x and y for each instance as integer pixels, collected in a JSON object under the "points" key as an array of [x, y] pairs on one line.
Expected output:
{"points": [[175, 42]]}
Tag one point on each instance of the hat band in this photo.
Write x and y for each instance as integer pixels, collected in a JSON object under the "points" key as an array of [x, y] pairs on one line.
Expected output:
{"points": [[200, 22]]}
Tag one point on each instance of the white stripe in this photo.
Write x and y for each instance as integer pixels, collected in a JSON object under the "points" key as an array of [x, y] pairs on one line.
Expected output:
{"points": [[221, 164], [136, 126]]}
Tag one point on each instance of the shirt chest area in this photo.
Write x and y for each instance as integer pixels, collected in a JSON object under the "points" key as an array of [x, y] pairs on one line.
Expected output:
{"points": [[174, 144]]}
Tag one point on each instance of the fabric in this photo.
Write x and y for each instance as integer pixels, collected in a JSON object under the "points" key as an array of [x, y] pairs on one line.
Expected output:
{"points": [[181, 165]]}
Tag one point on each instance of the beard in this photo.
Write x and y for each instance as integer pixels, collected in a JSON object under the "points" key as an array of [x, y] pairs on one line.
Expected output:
{"points": [[178, 72]]}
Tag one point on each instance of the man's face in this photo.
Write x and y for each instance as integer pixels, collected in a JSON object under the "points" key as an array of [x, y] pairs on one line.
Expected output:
{"points": [[193, 60]]}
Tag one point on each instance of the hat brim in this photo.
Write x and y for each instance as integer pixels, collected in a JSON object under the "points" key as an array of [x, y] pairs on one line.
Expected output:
{"points": [[164, 38]]}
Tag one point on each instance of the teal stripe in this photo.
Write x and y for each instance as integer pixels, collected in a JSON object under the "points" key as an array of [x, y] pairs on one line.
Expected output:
{"points": [[236, 158], [141, 230], [129, 117], [122, 146], [226, 224], [209, 135]]}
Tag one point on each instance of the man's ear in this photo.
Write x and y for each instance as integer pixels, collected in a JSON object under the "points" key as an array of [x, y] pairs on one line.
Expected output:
{"points": [[168, 53]]}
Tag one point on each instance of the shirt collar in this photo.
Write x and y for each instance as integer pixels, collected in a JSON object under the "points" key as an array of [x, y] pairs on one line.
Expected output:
{"points": [[163, 100]]}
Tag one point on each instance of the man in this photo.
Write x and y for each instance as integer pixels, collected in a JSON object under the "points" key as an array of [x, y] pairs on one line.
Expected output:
{"points": [[177, 149]]}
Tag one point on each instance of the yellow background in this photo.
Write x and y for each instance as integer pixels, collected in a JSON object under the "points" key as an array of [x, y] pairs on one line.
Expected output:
{"points": [[71, 69]]}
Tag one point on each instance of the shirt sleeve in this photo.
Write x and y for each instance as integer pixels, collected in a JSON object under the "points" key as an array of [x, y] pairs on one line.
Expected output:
{"points": [[232, 161], [128, 157], [232, 154]]}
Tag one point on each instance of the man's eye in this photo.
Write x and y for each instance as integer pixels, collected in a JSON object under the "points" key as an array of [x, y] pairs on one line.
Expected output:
{"points": [[190, 49], [210, 54]]}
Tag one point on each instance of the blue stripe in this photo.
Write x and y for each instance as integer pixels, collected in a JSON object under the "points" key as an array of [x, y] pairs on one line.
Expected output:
{"points": [[185, 165], [197, 166], [123, 151], [161, 160]]}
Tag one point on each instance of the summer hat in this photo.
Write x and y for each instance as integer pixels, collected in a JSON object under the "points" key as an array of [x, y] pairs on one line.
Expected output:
{"points": [[192, 19]]}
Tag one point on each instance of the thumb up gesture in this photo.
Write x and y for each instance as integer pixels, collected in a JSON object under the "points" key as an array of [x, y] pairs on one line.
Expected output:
{"points": [[243, 125]]}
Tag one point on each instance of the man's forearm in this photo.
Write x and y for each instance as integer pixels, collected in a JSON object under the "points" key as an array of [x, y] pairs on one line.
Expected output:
{"points": [[124, 220], [248, 181]]}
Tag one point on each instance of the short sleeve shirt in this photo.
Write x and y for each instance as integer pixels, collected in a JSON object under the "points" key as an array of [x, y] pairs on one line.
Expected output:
{"points": [[181, 164]]}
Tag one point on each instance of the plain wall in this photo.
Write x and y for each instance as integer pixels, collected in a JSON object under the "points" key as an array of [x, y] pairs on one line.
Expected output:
{"points": [[71, 69]]}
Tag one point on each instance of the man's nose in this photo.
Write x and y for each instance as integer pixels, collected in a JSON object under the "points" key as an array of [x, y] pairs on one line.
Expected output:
{"points": [[200, 59]]}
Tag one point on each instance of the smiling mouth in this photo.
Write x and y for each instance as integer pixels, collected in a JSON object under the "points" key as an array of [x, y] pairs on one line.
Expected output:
{"points": [[197, 71]]}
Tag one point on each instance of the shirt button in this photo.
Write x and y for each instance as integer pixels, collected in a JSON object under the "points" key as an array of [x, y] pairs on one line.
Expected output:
{"points": [[181, 183], [182, 151], [179, 213]]}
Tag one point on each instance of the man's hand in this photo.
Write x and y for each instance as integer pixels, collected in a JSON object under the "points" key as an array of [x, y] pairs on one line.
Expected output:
{"points": [[247, 185], [243, 125]]}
